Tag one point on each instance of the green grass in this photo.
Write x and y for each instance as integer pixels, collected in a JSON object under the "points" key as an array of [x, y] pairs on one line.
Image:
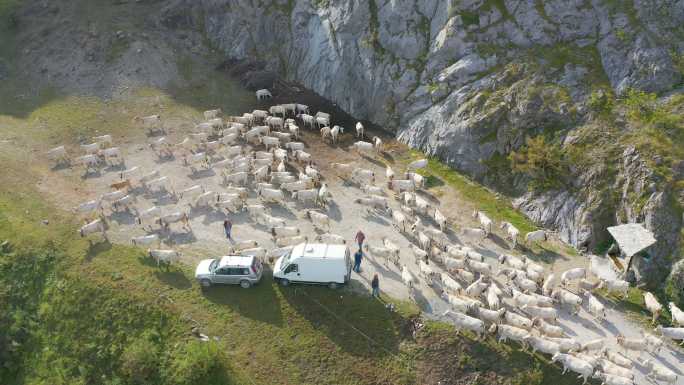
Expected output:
{"points": [[635, 307], [470, 18], [499, 208]]}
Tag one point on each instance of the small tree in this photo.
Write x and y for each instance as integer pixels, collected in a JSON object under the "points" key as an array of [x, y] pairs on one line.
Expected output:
{"points": [[541, 161]]}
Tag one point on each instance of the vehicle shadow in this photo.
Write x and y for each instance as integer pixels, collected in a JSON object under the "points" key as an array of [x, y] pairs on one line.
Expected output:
{"points": [[358, 324], [260, 302]]}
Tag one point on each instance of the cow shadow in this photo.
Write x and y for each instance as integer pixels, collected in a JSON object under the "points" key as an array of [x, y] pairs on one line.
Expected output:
{"points": [[428, 195], [610, 327], [96, 248], [91, 174], [373, 216], [280, 211], [385, 271], [544, 254], [175, 279], [201, 174], [165, 159], [373, 161], [334, 211], [123, 217], [178, 238], [387, 156], [162, 198], [115, 167], [422, 301], [588, 324], [497, 240], [212, 216], [61, 166]]}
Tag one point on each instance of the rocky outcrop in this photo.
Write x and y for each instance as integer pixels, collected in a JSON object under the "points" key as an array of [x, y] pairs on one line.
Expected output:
{"points": [[470, 80]]}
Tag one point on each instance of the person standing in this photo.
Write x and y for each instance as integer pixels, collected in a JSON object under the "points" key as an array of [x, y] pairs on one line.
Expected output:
{"points": [[228, 227], [360, 237], [375, 286], [358, 256]]}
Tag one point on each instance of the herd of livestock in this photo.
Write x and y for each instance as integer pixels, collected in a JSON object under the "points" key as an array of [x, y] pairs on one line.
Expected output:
{"points": [[260, 153]]}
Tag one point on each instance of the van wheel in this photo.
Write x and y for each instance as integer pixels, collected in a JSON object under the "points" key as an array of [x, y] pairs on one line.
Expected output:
{"points": [[284, 282], [332, 285], [205, 283], [245, 284]]}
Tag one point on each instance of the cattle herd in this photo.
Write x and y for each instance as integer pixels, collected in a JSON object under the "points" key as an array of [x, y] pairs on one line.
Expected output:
{"points": [[259, 155]]}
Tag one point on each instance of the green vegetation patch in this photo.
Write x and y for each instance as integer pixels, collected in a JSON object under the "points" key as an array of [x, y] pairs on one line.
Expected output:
{"points": [[499, 208], [470, 18], [541, 161]]}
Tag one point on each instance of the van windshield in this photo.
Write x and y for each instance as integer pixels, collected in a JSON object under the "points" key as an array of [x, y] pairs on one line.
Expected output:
{"points": [[286, 258]]}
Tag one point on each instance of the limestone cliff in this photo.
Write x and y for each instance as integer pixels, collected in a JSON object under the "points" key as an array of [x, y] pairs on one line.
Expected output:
{"points": [[469, 81]]}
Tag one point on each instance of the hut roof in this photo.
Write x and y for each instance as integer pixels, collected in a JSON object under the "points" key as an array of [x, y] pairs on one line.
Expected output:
{"points": [[632, 238]]}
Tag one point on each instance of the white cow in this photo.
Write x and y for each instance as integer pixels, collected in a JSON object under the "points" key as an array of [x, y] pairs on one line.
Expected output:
{"points": [[677, 314], [583, 368], [359, 130], [263, 94], [58, 155], [145, 240], [212, 114], [331, 239], [164, 256], [363, 147], [535, 236], [652, 305], [441, 220], [485, 222], [272, 195], [512, 232], [152, 123], [96, 226]]}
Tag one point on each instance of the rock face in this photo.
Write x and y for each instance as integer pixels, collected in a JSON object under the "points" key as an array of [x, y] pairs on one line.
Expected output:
{"points": [[468, 81]]}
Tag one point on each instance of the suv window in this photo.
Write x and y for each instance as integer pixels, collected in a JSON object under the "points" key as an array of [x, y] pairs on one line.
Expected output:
{"points": [[238, 271], [223, 271], [293, 268]]}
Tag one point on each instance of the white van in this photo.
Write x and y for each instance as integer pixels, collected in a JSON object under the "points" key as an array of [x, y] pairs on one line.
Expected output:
{"points": [[314, 263]]}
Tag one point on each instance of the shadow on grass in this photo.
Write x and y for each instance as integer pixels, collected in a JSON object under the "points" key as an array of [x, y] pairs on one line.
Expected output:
{"points": [[175, 279], [259, 302], [542, 254], [358, 324], [96, 248]]}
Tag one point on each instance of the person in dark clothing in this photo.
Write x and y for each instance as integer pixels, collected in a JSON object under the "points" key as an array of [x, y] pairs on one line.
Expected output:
{"points": [[360, 237], [375, 286], [228, 227], [358, 256]]}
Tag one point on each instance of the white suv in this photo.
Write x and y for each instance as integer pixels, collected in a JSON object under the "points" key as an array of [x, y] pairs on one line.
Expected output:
{"points": [[233, 270]]}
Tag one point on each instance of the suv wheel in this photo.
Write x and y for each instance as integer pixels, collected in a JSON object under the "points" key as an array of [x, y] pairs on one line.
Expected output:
{"points": [[245, 284], [284, 282], [333, 285], [205, 283]]}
